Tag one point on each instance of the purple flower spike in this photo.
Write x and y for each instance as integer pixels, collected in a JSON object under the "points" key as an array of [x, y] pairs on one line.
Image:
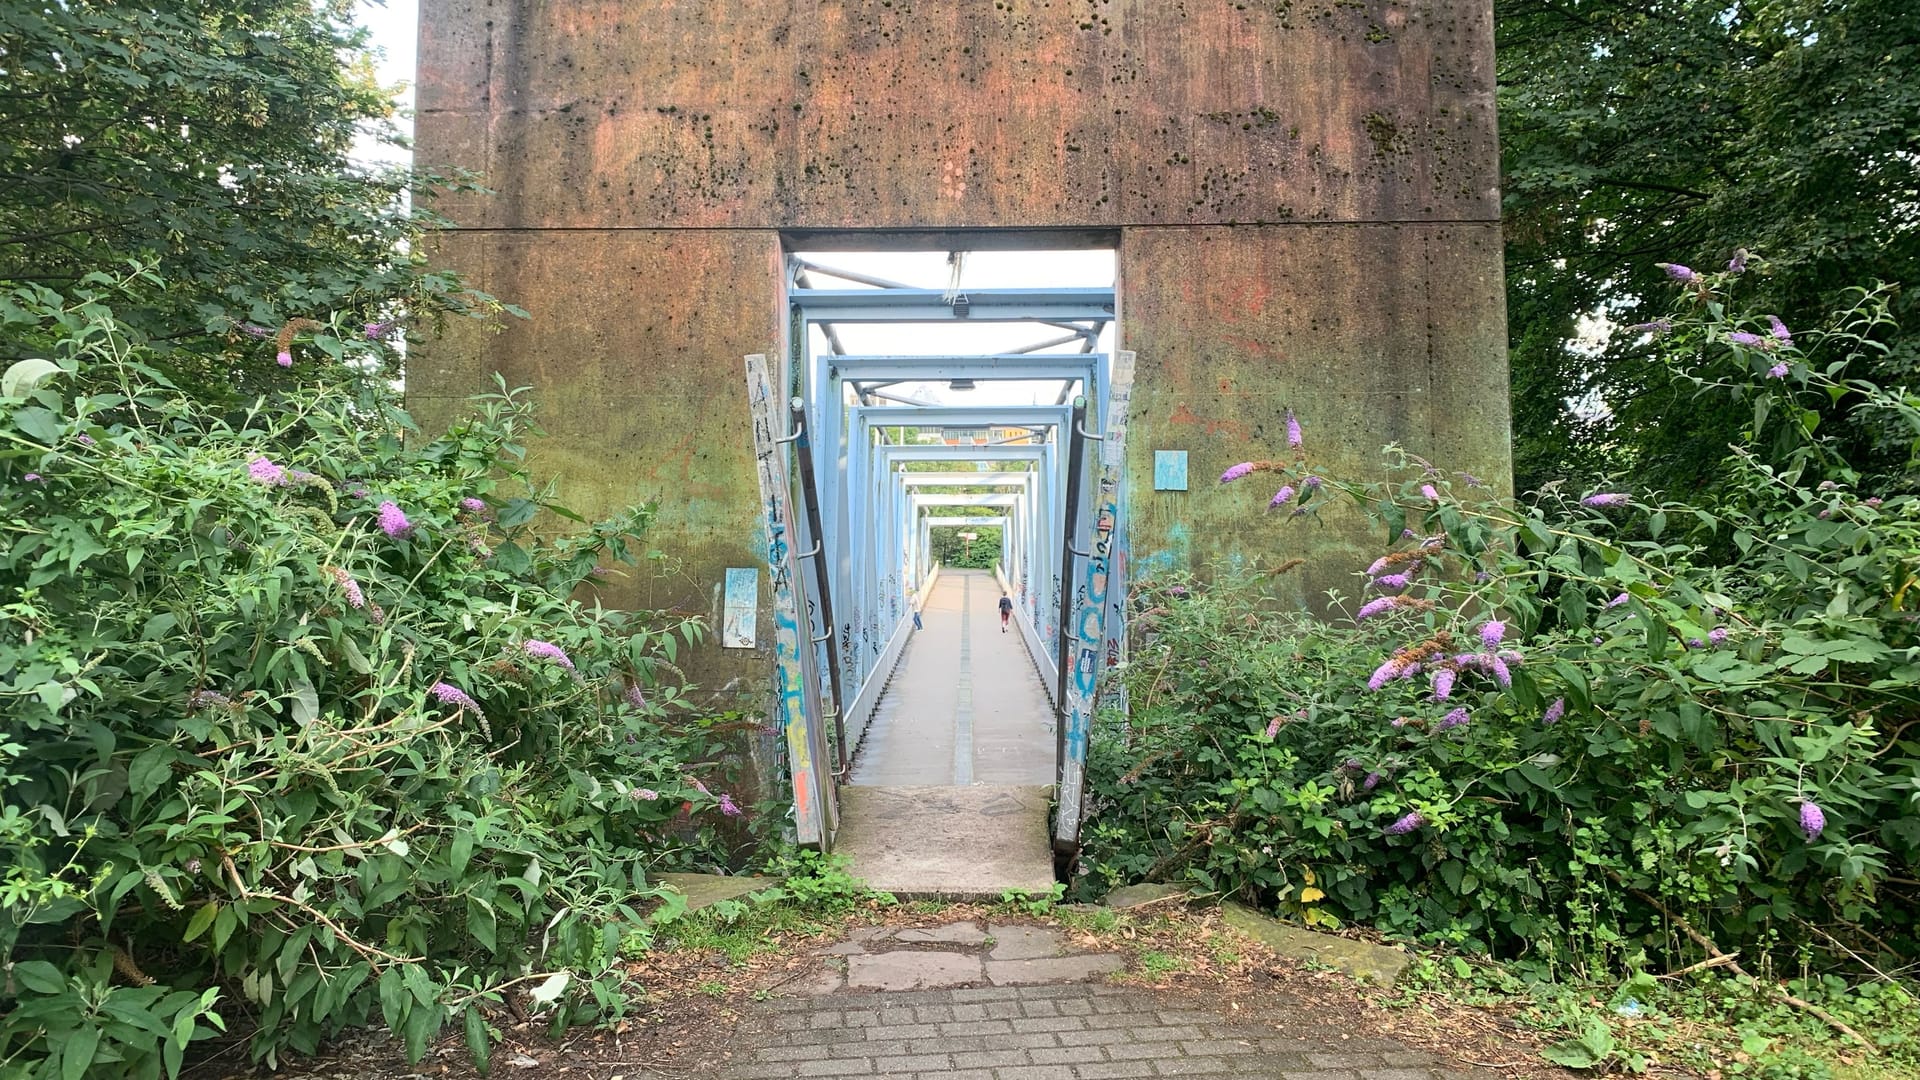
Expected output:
{"points": [[33, 478], [1618, 600], [1282, 497], [1428, 493], [1313, 482], [1392, 581], [1452, 720], [1738, 264], [393, 521], [1751, 341], [1443, 684], [284, 359], [1554, 712], [634, 697], [1813, 820], [453, 695], [1293, 430], [1273, 725], [1236, 472], [728, 807], [1406, 824], [1778, 371], [1501, 674], [1606, 498], [1717, 635], [1492, 632], [1385, 674], [547, 650], [1372, 781], [1374, 607], [1780, 331], [645, 794], [473, 505], [1678, 272], [378, 331], [263, 470], [351, 588]]}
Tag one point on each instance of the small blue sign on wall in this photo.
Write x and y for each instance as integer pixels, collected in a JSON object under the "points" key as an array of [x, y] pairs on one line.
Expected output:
{"points": [[1169, 470], [740, 610]]}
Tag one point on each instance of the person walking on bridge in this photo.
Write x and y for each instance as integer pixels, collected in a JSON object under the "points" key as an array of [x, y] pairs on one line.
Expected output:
{"points": [[1006, 611]]}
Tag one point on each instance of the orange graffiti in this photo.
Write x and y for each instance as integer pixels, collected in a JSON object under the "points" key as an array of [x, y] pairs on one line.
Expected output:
{"points": [[1184, 415]]}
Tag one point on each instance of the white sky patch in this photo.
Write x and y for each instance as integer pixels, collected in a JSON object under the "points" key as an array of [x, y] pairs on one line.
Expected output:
{"points": [[395, 26]]}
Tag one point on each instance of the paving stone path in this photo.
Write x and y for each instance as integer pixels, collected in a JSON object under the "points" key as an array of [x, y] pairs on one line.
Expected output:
{"points": [[972, 1001]]}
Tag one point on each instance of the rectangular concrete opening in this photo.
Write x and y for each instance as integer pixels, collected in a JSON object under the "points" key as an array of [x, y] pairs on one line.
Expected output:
{"points": [[939, 378]]}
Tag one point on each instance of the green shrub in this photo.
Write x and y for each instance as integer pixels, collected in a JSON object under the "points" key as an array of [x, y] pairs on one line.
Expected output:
{"points": [[303, 725], [1685, 718]]}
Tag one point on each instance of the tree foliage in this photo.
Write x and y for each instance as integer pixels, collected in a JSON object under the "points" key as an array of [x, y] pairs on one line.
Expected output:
{"points": [[1564, 727], [301, 724], [208, 139], [1632, 129]]}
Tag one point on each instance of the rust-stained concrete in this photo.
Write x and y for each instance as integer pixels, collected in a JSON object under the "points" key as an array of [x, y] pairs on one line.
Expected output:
{"points": [[1303, 194], [916, 113]]}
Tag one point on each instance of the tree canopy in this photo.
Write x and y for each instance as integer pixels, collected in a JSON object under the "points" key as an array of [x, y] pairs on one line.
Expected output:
{"points": [[1642, 131], [208, 140]]}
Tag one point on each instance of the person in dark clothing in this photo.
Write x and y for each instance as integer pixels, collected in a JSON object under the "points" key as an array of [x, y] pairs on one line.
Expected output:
{"points": [[1006, 611]]}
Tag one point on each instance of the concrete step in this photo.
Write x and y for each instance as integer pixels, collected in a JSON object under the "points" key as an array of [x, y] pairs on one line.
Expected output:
{"points": [[947, 843]]}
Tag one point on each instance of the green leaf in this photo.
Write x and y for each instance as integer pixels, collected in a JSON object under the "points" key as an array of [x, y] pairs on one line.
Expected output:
{"points": [[477, 1040], [303, 703], [78, 1054], [42, 424], [460, 851], [150, 768], [202, 919], [39, 977], [517, 512]]}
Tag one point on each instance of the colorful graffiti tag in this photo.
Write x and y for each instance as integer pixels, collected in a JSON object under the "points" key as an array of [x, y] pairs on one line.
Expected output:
{"points": [[1091, 604], [797, 691]]}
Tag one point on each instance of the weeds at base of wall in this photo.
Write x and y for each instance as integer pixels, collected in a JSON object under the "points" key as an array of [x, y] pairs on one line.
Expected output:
{"points": [[1706, 1024]]}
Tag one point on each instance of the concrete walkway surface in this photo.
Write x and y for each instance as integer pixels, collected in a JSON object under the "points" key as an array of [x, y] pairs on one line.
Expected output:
{"points": [[947, 843], [965, 706], [949, 794]]}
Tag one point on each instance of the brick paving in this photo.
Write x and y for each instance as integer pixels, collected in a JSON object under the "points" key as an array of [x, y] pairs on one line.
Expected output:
{"points": [[1079, 1031]]}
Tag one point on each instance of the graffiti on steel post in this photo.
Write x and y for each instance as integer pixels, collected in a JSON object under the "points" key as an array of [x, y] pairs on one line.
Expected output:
{"points": [[795, 695], [1092, 603]]}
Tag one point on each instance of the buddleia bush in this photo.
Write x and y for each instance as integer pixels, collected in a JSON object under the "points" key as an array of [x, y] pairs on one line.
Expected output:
{"points": [[301, 724], [1600, 730]]}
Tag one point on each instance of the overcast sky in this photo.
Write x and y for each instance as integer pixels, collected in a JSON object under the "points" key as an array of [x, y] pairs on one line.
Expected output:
{"points": [[394, 23]]}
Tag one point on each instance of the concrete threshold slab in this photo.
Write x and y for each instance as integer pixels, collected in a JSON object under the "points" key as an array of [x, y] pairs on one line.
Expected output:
{"points": [[947, 843]]}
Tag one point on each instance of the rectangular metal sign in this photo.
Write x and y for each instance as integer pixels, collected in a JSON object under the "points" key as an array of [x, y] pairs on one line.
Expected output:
{"points": [[1169, 470], [740, 608]]}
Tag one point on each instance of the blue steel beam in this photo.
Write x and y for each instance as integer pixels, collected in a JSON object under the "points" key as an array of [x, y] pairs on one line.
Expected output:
{"points": [[1010, 366], [930, 305]]}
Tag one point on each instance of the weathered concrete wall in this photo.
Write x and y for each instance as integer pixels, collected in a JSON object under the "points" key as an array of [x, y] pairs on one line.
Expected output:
{"points": [[1371, 333], [920, 114], [633, 351], [1305, 195]]}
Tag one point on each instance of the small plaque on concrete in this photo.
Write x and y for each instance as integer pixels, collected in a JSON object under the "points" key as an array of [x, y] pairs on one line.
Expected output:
{"points": [[1169, 470], [740, 609]]}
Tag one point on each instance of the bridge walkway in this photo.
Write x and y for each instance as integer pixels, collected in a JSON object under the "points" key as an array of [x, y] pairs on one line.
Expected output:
{"points": [[949, 791]]}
